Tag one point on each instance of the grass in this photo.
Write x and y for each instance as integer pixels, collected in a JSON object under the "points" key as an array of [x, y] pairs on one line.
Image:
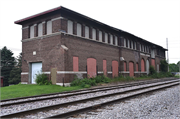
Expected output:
{"points": [[23, 90]]}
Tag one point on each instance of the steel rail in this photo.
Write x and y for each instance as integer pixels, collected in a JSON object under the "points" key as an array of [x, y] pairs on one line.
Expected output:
{"points": [[78, 93], [78, 101]]}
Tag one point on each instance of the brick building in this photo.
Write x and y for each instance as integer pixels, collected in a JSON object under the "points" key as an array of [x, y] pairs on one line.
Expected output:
{"points": [[64, 44]]}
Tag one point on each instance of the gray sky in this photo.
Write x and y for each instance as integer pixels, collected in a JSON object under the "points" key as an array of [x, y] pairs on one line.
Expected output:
{"points": [[152, 20]]}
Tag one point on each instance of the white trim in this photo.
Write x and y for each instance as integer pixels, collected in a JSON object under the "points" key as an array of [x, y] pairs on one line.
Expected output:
{"points": [[71, 72], [43, 22], [65, 84], [25, 27], [35, 25], [47, 72], [24, 83], [109, 72], [57, 18], [100, 72], [137, 72], [24, 73], [144, 54], [143, 72], [124, 72]]}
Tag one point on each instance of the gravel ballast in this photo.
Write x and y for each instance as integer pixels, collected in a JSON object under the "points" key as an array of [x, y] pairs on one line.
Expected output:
{"points": [[164, 104]]}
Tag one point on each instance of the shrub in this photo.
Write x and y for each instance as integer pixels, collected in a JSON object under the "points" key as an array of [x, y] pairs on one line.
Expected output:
{"points": [[152, 71], [163, 66], [42, 79]]}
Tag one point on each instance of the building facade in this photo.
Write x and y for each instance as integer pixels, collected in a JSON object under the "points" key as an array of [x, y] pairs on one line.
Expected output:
{"points": [[65, 44]]}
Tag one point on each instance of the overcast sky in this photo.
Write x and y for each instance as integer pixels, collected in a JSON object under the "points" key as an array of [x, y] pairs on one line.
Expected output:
{"points": [[152, 20]]}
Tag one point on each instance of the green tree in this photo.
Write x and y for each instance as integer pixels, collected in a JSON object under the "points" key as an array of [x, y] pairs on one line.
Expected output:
{"points": [[15, 74], [163, 66], [173, 67], [7, 63]]}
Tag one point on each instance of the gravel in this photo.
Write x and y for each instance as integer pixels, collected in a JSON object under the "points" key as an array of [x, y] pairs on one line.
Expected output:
{"points": [[163, 104], [37, 104]]}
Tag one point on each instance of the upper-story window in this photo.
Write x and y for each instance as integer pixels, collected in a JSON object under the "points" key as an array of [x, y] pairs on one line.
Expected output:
{"points": [[106, 38], [152, 53], [124, 42], [116, 41], [94, 34], [135, 45], [139, 47], [49, 27], [132, 45], [86, 32], [147, 49], [100, 36], [79, 31], [111, 39], [40, 29], [31, 31], [143, 48], [128, 44], [70, 27]]}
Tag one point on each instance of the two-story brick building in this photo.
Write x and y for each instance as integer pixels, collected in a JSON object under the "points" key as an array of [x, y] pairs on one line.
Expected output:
{"points": [[65, 44]]}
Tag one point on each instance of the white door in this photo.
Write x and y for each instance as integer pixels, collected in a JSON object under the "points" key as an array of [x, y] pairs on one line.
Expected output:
{"points": [[147, 66], [36, 68]]}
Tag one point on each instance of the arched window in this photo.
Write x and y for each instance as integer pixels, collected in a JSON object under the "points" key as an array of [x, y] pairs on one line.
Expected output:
{"points": [[131, 69], [91, 67], [114, 68], [142, 65]]}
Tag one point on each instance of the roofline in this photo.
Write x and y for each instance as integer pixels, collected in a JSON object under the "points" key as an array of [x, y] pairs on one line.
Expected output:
{"points": [[36, 15], [81, 15]]}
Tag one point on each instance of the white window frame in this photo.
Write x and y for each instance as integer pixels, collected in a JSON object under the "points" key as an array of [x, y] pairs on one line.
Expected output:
{"points": [[106, 37], [116, 41], [49, 27], [140, 47], [79, 29], [111, 39], [86, 32], [32, 31], [70, 27], [128, 44], [94, 34], [132, 45], [40, 33], [135, 45], [124, 42]]}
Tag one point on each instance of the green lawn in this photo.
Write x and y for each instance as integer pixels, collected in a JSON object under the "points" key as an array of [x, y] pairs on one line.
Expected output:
{"points": [[23, 90]]}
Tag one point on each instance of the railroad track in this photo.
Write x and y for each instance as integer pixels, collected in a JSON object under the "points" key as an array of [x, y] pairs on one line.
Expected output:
{"points": [[85, 104], [16, 101]]}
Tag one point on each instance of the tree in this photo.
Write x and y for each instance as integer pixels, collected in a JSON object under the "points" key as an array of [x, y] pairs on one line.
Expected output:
{"points": [[7, 63], [15, 74], [173, 68], [164, 66]]}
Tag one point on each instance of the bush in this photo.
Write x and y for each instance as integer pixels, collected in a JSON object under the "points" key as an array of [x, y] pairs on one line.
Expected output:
{"points": [[152, 71], [42, 79], [164, 66]]}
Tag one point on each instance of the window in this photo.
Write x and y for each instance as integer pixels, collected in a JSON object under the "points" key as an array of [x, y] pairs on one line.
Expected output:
{"points": [[86, 32], [147, 49], [143, 48], [116, 41], [124, 66], [94, 34], [139, 47], [79, 29], [40, 29], [75, 64], [49, 27], [106, 38], [111, 39], [70, 27], [128, 44], [100, 36], [132, 44], [32, 32], [135, 45], [124, 42]]}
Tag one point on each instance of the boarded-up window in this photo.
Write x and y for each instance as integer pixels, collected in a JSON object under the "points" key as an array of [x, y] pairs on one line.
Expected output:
{"points": [[153, 63], [106, 38], [111, 39], [91, 67], [105, 67], [100, 36], [114, 68], [49, 27], [131, 69], [136, 66], [32, 32], [79, 29], [40, 29], [70, 27], [124, 66], [116, 41], [124, 42], [94, 34], [86, 32], [142, 65], [75, 64]]}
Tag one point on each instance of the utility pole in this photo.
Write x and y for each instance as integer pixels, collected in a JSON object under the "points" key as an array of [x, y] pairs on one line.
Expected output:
{"points": [[167, 53]]}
